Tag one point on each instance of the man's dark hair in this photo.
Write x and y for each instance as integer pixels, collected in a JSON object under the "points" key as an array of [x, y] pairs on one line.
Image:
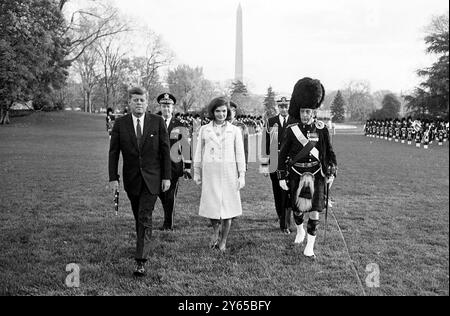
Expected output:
{"points": [[135, 90]]}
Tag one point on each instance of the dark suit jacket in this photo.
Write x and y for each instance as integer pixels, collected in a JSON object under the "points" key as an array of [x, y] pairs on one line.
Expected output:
{"points": [[150, 163], [281, 130]]}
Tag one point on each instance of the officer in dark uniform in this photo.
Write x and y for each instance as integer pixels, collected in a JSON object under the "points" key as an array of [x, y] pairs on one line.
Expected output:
{"points": [[244, 129], [276, 127], [307, 160], [178, 134]]}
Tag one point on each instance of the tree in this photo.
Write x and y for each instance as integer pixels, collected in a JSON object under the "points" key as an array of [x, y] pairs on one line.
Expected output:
{"points": [[391, 106], [378, 97], [359, 100], [87, 67], [432, 95], [86, 26], [189, 87], [270, 105], [144, 70], [32, 52], [338, 108], [239, 95], [111, 56]]}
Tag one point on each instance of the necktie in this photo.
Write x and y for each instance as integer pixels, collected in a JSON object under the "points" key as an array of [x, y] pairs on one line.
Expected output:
{"points": [[138, 133], [284, 122]]}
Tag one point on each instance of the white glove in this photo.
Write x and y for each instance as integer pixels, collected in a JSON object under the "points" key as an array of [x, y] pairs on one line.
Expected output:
{"points": [[283, 185], [197, 178], [330, 180], [241, 182]]}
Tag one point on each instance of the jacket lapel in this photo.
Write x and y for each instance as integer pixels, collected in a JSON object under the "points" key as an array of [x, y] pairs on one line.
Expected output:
{"points": [[146, 128], [130, 128], [211, 133]]}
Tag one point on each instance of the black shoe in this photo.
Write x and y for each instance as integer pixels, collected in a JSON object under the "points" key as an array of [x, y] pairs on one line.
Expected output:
{"points": [[140, 270], [286, 231]]}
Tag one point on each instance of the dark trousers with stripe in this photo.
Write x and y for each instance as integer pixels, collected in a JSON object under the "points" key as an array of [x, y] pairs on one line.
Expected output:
{"points": [[282, 204], [143, 206], [168, 201]]}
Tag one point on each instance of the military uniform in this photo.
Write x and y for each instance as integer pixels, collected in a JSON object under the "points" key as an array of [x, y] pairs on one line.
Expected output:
{"points": [[390, 130], [315, 162], [276, 127], [178, 135]]}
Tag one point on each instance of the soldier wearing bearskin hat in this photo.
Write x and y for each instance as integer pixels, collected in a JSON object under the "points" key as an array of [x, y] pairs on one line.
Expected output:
{"points": [[390, 129], [403, 130], [397, 130], [307, 160], [409, 130]]}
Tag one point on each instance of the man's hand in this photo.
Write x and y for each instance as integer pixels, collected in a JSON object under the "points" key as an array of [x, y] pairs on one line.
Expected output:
{"points": [[187, 174], [165, 185], [330, 180], [197, 179], [283, 185], [113, 185]]}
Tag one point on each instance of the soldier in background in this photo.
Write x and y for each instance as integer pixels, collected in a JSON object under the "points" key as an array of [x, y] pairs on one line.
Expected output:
{"points": [[403, 132], [396, 130], [242, 127], [390, 129], [409, 130], [276, 127], [110, 119]]}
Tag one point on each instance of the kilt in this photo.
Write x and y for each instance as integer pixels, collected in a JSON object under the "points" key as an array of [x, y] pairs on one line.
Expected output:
{"points": [[318, 199]]}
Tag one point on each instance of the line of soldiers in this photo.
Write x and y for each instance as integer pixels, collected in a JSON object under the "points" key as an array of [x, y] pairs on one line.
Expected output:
{"points": [[408, 131]]}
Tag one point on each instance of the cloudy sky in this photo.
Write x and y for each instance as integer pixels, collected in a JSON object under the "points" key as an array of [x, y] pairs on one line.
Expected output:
{"points": [[333, 40]]}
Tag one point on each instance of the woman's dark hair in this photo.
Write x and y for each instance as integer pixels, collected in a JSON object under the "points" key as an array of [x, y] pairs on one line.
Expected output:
{"points": [[109, 110], [217, 102]]}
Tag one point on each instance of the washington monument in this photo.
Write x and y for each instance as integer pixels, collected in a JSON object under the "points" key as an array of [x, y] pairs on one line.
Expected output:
{"points": [[239, 66]]}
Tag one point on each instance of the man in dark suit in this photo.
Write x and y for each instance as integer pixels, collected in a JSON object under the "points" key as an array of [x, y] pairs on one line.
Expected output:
{"points": [[178, 134], [144, 142], [276, 130]]}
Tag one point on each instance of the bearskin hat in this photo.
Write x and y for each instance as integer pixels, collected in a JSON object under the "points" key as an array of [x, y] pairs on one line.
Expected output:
{"points": [[308, 93]]}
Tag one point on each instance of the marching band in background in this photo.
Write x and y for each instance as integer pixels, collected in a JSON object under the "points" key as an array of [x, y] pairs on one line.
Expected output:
{"points": [[407, 130]]}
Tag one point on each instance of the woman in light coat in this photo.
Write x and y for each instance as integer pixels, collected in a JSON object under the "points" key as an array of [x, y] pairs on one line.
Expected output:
{"points": [[219, 166]]}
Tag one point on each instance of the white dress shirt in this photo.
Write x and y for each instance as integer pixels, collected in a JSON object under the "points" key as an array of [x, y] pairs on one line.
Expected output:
{"points": [[167, 121], [141, 122], [281, 119]]}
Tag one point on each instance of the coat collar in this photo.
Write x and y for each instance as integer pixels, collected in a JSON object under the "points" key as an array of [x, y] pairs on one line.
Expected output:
{"points": [[210, 128]]}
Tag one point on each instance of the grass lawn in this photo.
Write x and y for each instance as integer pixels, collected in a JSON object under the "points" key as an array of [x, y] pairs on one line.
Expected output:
{"points": [[391, 201]]}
